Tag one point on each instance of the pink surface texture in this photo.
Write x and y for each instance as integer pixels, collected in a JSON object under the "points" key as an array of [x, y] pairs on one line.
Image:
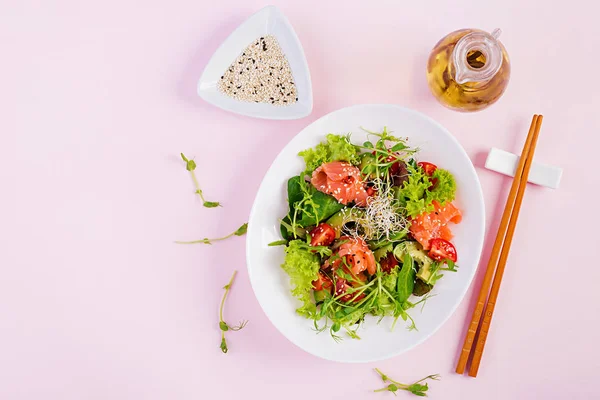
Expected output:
{"points": [[98, 100]]}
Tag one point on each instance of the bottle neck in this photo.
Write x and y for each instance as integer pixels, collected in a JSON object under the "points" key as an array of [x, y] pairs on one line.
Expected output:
{"points": [[477, 57]]}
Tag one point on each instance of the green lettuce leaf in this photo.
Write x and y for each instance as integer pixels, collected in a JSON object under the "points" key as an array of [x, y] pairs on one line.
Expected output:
{"points": [[336, 148], [445, 188], [302, 266], [389, 280], [415, 195]]}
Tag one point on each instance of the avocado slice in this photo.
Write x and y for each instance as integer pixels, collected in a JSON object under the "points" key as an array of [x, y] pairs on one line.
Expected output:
{"points": [[367, 165], [396, 237], [343, 216], [418, 254], [421, 288]]}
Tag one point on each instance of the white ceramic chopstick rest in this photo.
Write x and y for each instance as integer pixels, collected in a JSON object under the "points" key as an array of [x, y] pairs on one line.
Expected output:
{"points": [[506, 163]]}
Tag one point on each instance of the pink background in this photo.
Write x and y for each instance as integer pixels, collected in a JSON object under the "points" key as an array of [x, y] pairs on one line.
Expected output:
{"points": [[98, 99]]}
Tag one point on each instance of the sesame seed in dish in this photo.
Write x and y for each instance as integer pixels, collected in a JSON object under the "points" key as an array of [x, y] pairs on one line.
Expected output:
{"points": [[261, 74]]}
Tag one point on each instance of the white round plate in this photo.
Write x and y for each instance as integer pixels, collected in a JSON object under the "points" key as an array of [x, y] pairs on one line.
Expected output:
{"points": [[271, 284]]}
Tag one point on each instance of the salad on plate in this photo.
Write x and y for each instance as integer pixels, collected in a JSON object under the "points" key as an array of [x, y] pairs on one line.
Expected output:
{"points": [[368, 231]]}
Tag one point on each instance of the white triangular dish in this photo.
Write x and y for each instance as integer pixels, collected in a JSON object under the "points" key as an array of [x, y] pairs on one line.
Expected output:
{"points": [[267, 21]]}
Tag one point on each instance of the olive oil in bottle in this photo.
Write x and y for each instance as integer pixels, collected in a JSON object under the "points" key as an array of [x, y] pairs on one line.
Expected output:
{"points": [[468, 70]]}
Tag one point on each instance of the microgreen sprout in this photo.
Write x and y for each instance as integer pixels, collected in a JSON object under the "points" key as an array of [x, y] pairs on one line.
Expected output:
{"points": [[190, 165], [417, 388], [222, 324], [241, 231]]}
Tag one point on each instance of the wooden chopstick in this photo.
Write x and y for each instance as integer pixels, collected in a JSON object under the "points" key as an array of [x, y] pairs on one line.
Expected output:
{"points": [[491, 303], [495, 255]]}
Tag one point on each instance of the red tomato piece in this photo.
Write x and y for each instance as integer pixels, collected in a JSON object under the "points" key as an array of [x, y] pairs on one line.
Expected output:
{"points": [[371, 191], [322, 235], [322, 282], [442, 249], [428, 167]]}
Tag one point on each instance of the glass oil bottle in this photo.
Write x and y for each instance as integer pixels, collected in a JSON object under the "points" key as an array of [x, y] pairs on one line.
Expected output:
{"points": [[468, 70]]}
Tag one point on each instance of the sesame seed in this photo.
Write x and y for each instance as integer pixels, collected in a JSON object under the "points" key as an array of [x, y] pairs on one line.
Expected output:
{"points": [[250, 73]]}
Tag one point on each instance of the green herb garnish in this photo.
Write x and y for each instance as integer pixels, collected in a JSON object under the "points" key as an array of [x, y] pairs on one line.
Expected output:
{"points": [[308, 206], [190, 165], [278, 243], [388, 150], [241, 231], [222, 324], [417, 388]]}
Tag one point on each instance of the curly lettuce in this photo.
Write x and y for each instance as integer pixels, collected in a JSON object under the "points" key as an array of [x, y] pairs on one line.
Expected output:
{"points": [[419, 191], [336, 148], [302, 266], [445, 188]]}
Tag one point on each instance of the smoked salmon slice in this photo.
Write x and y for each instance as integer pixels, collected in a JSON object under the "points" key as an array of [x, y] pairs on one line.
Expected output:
{"points": [[434, 225], [342, 181], [358, 256]]}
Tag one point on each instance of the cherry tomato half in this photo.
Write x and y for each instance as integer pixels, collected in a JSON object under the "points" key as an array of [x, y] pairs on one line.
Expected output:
{"points": [[371, 191], [322, 282], [322, 235], [428, 167], [441, 249]]}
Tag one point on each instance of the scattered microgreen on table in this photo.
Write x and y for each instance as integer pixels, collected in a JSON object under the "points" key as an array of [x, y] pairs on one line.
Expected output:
{"points": [[417, 388], [190, 165], [222, 324], [241, 231]]}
